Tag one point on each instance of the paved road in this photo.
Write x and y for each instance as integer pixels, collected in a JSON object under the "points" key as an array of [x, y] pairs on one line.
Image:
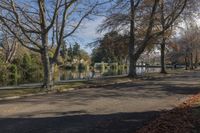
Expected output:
{"points": [[120, 108]]}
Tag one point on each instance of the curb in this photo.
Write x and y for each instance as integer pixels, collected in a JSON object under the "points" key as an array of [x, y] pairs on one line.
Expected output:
{"points": [[22, 96]]}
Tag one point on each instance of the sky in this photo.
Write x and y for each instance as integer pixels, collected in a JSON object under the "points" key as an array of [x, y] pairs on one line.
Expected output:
{"points": [[87, 33]]}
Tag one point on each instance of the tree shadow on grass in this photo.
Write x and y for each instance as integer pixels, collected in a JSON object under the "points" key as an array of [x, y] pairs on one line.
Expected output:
{"points": [[73, 123], [181, 84]]}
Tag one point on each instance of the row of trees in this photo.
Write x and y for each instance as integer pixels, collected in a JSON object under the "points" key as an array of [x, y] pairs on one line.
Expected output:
{"points": [[185, 48], [34, 23], [146, 22], [149, 24], [42, 25], [25, 66]]}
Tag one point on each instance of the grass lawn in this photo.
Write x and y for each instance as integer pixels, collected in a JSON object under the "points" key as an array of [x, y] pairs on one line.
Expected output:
{"points": [[18, 92]]}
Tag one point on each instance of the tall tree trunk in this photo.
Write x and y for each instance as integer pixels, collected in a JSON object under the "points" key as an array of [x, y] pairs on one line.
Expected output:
{"points": [[191, 61], [162, 59], [47, 63], [132, 60], [132, 67], [13, 51], [48, 78], [10, 51], [186, 66], [196, 58]]}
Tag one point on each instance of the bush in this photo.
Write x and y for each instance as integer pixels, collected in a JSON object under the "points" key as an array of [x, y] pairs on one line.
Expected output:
{"points": [[29, 68], [13, 76], [9, 75]]}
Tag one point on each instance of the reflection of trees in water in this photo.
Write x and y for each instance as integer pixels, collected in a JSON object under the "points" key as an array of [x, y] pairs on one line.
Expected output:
{"points": [[73, 74], [84, 74]]}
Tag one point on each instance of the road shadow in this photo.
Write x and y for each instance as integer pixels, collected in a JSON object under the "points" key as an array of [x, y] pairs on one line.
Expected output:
{"points": [[159, 88], [85, 123], [80, 121], [150, 90]]}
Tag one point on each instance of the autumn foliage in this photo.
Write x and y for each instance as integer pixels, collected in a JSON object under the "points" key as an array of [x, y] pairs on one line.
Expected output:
{"points": [[178, 120]]}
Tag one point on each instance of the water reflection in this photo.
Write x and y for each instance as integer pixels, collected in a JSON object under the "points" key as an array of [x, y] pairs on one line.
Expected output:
{"points": [[86, 74]]}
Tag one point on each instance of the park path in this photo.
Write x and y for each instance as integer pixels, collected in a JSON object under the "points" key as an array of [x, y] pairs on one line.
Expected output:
{"points": [[120, 108]]}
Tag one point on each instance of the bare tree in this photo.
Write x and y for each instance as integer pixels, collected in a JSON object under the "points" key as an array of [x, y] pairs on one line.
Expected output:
{"points": [[190, 44], [144, 17], [9, 45], [166, 6], [43, 24]]}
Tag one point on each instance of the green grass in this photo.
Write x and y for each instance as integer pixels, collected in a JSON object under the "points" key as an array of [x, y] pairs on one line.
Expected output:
{"points": [[18, 92], [62, 87]]}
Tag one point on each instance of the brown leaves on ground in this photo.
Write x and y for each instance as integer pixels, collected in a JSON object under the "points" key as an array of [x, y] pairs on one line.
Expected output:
{"points": [[178, 120], [191, 101]]}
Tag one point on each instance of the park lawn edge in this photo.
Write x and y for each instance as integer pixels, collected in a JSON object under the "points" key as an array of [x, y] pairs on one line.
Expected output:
{"points": [[62, 87], [8, 94]]}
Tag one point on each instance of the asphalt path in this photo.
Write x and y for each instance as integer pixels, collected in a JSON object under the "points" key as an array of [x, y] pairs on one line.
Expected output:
{"points": [[119, 108]]}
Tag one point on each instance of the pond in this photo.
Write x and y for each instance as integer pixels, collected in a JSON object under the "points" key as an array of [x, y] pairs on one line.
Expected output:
{"points": [[64, 74]]}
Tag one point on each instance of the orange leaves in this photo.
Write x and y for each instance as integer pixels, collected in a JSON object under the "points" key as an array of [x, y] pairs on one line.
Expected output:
{"points": [[178, 120], [191, 101], [175, 121]]}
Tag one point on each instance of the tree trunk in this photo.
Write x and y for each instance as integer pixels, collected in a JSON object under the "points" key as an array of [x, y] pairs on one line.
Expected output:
{"points": [[10, 52], [132, 60], [191, 61], [132, 67], [186, 65], [48, 73], [162, 59], [196, 59]]}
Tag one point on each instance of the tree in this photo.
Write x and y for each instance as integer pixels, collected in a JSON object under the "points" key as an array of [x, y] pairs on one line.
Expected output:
{"points": [[39, 21], [140, 16], [9, 46], [185, 47], [165, 8], [84, 55], [107, 48], [70, 54], [190, 44], [76, 51]]}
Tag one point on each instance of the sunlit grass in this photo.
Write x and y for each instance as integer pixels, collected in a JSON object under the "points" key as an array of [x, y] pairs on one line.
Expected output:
{"points": [[18, 92]]}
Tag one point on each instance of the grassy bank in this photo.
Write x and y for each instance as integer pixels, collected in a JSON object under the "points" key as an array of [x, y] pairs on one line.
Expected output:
{"points": [[63, 87]]}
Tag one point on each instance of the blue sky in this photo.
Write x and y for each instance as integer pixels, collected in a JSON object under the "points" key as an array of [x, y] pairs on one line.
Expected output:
{"points": [[87, 33]]}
